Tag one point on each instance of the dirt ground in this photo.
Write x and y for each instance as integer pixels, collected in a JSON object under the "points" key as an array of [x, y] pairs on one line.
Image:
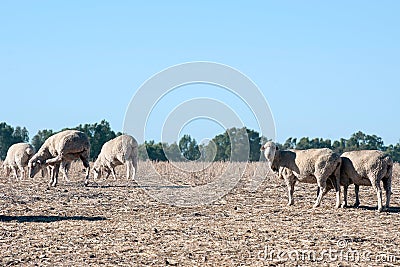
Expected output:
{"points": [[118, 223]]}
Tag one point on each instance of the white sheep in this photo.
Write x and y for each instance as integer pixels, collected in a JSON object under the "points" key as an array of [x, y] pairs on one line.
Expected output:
{"points": [[17, 157], [118, 151], [64, 146], [369, 168], [307, 166]]}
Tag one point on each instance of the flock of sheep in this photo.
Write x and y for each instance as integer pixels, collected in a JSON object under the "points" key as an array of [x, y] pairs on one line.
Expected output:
{"points": [[322, 166], [60, 149], [331, 170]]}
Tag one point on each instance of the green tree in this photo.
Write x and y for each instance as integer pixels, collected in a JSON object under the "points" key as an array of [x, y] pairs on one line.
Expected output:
{"points": [[142, 153], [10, 136], [394, 151], [155, 151], [208, 151], [172, 152], [304, 143], [339, 146], [361, 141], [189, 148], [255, 144], [20, 135], [40, 137], [239, 148], [290, 143], [223, 147]]}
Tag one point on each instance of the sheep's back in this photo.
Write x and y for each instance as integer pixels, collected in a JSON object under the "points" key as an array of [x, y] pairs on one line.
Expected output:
{"points": [[67, 142], [366, 161], [19, 154], [308, 160], [122, 146]]}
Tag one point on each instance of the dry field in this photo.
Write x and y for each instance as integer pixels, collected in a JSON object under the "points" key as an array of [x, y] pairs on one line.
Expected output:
{"points": [[118, 223]]}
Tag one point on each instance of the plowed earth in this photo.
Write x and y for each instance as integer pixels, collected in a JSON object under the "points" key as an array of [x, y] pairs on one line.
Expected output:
{"points": [[116, 222]]}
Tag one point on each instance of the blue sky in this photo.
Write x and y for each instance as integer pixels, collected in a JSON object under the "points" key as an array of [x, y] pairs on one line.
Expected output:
{"points": [[327, 69]]}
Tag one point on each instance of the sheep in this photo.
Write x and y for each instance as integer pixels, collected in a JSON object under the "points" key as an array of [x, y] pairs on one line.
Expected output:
{"points": [[307, 166], [17, 157], [118, 151], [59, 148], [369, 168]]}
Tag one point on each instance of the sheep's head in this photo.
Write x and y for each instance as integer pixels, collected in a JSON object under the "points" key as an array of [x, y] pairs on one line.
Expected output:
{"points": [[269, 149], [34, 166]]}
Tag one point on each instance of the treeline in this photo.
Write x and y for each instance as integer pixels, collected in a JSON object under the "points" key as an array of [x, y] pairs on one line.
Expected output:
{"points": [[218, 149], [357, 141], [10, 136], [243, 143]]}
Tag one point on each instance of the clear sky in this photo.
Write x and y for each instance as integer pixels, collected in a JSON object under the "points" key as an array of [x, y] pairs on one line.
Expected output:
{"points": [[326, 68]]}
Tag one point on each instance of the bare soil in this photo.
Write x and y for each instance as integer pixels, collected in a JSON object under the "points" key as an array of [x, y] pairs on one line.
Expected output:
{"points": [[117, 223]]}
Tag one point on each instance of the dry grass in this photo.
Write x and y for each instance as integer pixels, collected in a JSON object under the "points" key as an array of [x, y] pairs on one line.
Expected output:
{"points": [[117, 223]]}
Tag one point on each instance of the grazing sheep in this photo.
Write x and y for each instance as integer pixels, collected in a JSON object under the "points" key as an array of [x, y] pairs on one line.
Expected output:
{"points": [[17, 157], [366, 167], [64, 146], [118, 151], [307, 166]]}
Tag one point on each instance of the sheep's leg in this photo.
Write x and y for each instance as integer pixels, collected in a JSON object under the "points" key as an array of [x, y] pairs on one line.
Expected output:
{"points": [[128, 169], [8, 170], [336, 184], [290, 187], [54, 175], [357, 191], [387, 185], [22, 173], [111, 169], [85, 161], [64, 169], [134, 168], [322, 187], [15, 172], [44, 172], [56, 170], [345, 191], [324, 192], [113, 173], [376, 185], [55, 160]]}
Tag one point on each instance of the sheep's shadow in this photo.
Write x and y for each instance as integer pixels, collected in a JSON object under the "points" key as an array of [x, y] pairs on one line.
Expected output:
{"points": [[390, 210], [48, 219]]}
